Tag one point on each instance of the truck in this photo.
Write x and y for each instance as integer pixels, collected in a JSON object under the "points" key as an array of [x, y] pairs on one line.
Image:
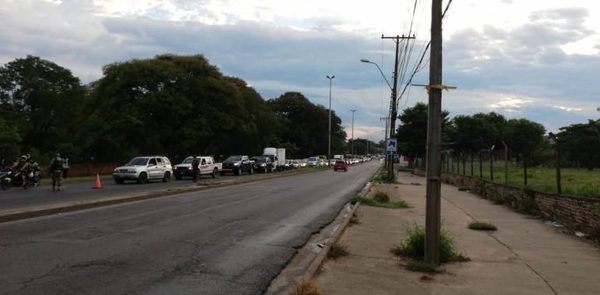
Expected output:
{"points": [[237, 164], [277, 155], [207, 166]]}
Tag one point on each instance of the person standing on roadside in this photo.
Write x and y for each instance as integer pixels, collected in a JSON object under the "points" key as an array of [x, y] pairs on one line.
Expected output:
{"points": [[195, 169], [66, 167], [56, 171]]}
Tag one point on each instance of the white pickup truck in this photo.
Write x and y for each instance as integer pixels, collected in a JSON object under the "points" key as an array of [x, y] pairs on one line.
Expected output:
{"points": [[207, 167]]}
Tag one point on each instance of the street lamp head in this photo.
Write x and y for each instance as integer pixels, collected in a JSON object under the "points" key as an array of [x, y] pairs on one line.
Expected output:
{"points": [[330, 77], [365, 60]]}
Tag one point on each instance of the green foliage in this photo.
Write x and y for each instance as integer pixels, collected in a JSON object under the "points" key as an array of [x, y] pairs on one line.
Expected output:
{"points": [[413, 246], [381, 197], [482, 226], [412, 132], [9, 141], [300, 122], [42, 100], [372, 202], [337, 250], [527, 202]]}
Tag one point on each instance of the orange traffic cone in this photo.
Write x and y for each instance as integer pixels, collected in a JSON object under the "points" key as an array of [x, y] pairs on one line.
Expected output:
{"points": [[97, 184]]}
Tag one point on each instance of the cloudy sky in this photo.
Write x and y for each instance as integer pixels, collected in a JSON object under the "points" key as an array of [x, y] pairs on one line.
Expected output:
{"points": [[535, 59]]}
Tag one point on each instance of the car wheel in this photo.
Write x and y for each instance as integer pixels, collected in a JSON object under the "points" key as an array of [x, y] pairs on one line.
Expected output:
{"points": [[236, 172], [167, 177], [251, 171], [119, 181], [143, 178], [215, 172]]}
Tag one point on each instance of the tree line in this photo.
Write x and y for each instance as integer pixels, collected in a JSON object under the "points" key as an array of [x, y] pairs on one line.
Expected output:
{"points": [[465, 136], [170, 105]]}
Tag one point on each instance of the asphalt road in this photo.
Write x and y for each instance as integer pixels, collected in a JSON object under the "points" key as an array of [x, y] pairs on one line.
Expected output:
{"points": [[226, 240], [18, 198]]}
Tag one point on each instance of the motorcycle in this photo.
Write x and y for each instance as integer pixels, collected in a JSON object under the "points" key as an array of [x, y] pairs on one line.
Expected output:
{"points": [[5, 179], [15, 178]]}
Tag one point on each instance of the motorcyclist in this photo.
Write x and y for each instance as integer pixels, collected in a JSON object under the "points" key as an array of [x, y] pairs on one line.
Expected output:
{"points": [[34, 168], [22, 166]]}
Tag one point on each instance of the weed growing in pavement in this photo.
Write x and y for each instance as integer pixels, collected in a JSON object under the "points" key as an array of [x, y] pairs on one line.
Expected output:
{"points": [[476, 225], [372, 202], [381, 197], [354, 219], [337, 250], [413, 246], [306, 288]]}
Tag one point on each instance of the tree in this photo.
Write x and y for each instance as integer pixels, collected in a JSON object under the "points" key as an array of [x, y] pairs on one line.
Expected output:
{"points": [[580, 143], [305, 125], [9, 141], [412, 131], [173, 105], [45, 101]]}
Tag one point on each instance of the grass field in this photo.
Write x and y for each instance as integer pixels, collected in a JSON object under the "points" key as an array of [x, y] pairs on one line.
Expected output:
{"points": [[575, 182]]}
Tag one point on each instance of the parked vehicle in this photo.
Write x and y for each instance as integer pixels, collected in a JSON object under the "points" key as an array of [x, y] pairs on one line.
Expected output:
{"points": [[14, 177], [313, 161], [263, 165], [237, 165], [340, 165], [277, 156], [207, 167], [143, 169]]}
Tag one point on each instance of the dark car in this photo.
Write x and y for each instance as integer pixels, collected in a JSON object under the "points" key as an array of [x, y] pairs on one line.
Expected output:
{"points": [[263, 165], [340, 165]]}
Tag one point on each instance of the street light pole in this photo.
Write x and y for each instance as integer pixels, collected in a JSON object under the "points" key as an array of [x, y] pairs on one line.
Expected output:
{"points": [[353, 130], [329, 137]]}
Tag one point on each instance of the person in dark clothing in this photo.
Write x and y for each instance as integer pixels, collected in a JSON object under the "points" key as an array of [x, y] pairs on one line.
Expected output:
{"points": [[55, 170], [195, 169]]}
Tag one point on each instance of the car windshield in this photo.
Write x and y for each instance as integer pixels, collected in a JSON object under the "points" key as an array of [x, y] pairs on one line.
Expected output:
{"points": [[188, 160], [311, 159], [261, 160], [340, 162], [138, 162], [234, 158]]}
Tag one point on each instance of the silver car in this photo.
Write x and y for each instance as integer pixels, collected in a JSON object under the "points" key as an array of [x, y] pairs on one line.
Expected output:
{"points": [[143, 169]]}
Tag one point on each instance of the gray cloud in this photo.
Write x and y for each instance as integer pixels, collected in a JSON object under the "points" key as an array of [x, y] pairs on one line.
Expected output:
{"points": [[525, 62]]}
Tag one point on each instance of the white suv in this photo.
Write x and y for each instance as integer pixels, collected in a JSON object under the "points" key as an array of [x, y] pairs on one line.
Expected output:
{"points": [[142, 169]]}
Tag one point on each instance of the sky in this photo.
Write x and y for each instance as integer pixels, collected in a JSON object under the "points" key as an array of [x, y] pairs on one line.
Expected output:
{"points": [[532, 59]]}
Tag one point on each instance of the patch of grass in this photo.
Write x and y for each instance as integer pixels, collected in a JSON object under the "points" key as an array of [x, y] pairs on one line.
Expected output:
{"points": [[372, 202], [413, 246], [337, 250], [381, 197], [306, 288], [482, 226], [464, 189]]}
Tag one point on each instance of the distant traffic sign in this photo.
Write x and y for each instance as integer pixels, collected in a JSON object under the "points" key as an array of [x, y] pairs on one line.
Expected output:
{"points": [[391, 145]]}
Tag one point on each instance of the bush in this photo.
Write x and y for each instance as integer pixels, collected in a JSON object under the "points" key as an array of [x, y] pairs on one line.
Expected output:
{"points": [[337, 250], [381, 197], [413, 246]]}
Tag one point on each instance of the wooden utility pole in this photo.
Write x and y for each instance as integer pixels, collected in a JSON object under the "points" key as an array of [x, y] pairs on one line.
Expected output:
{"points": [[434, 138], [393, 103]]}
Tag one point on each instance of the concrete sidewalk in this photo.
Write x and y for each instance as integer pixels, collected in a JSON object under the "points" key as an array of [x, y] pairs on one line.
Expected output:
{"points": [[524, 256]]}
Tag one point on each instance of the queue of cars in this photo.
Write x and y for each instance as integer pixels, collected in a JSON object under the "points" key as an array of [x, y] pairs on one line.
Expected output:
{"points": [[158, 167]]}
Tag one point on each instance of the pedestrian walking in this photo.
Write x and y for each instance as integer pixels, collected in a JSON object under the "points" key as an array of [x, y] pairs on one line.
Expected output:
{"points": [[66, 167], [195, 169], [56, 171]]}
